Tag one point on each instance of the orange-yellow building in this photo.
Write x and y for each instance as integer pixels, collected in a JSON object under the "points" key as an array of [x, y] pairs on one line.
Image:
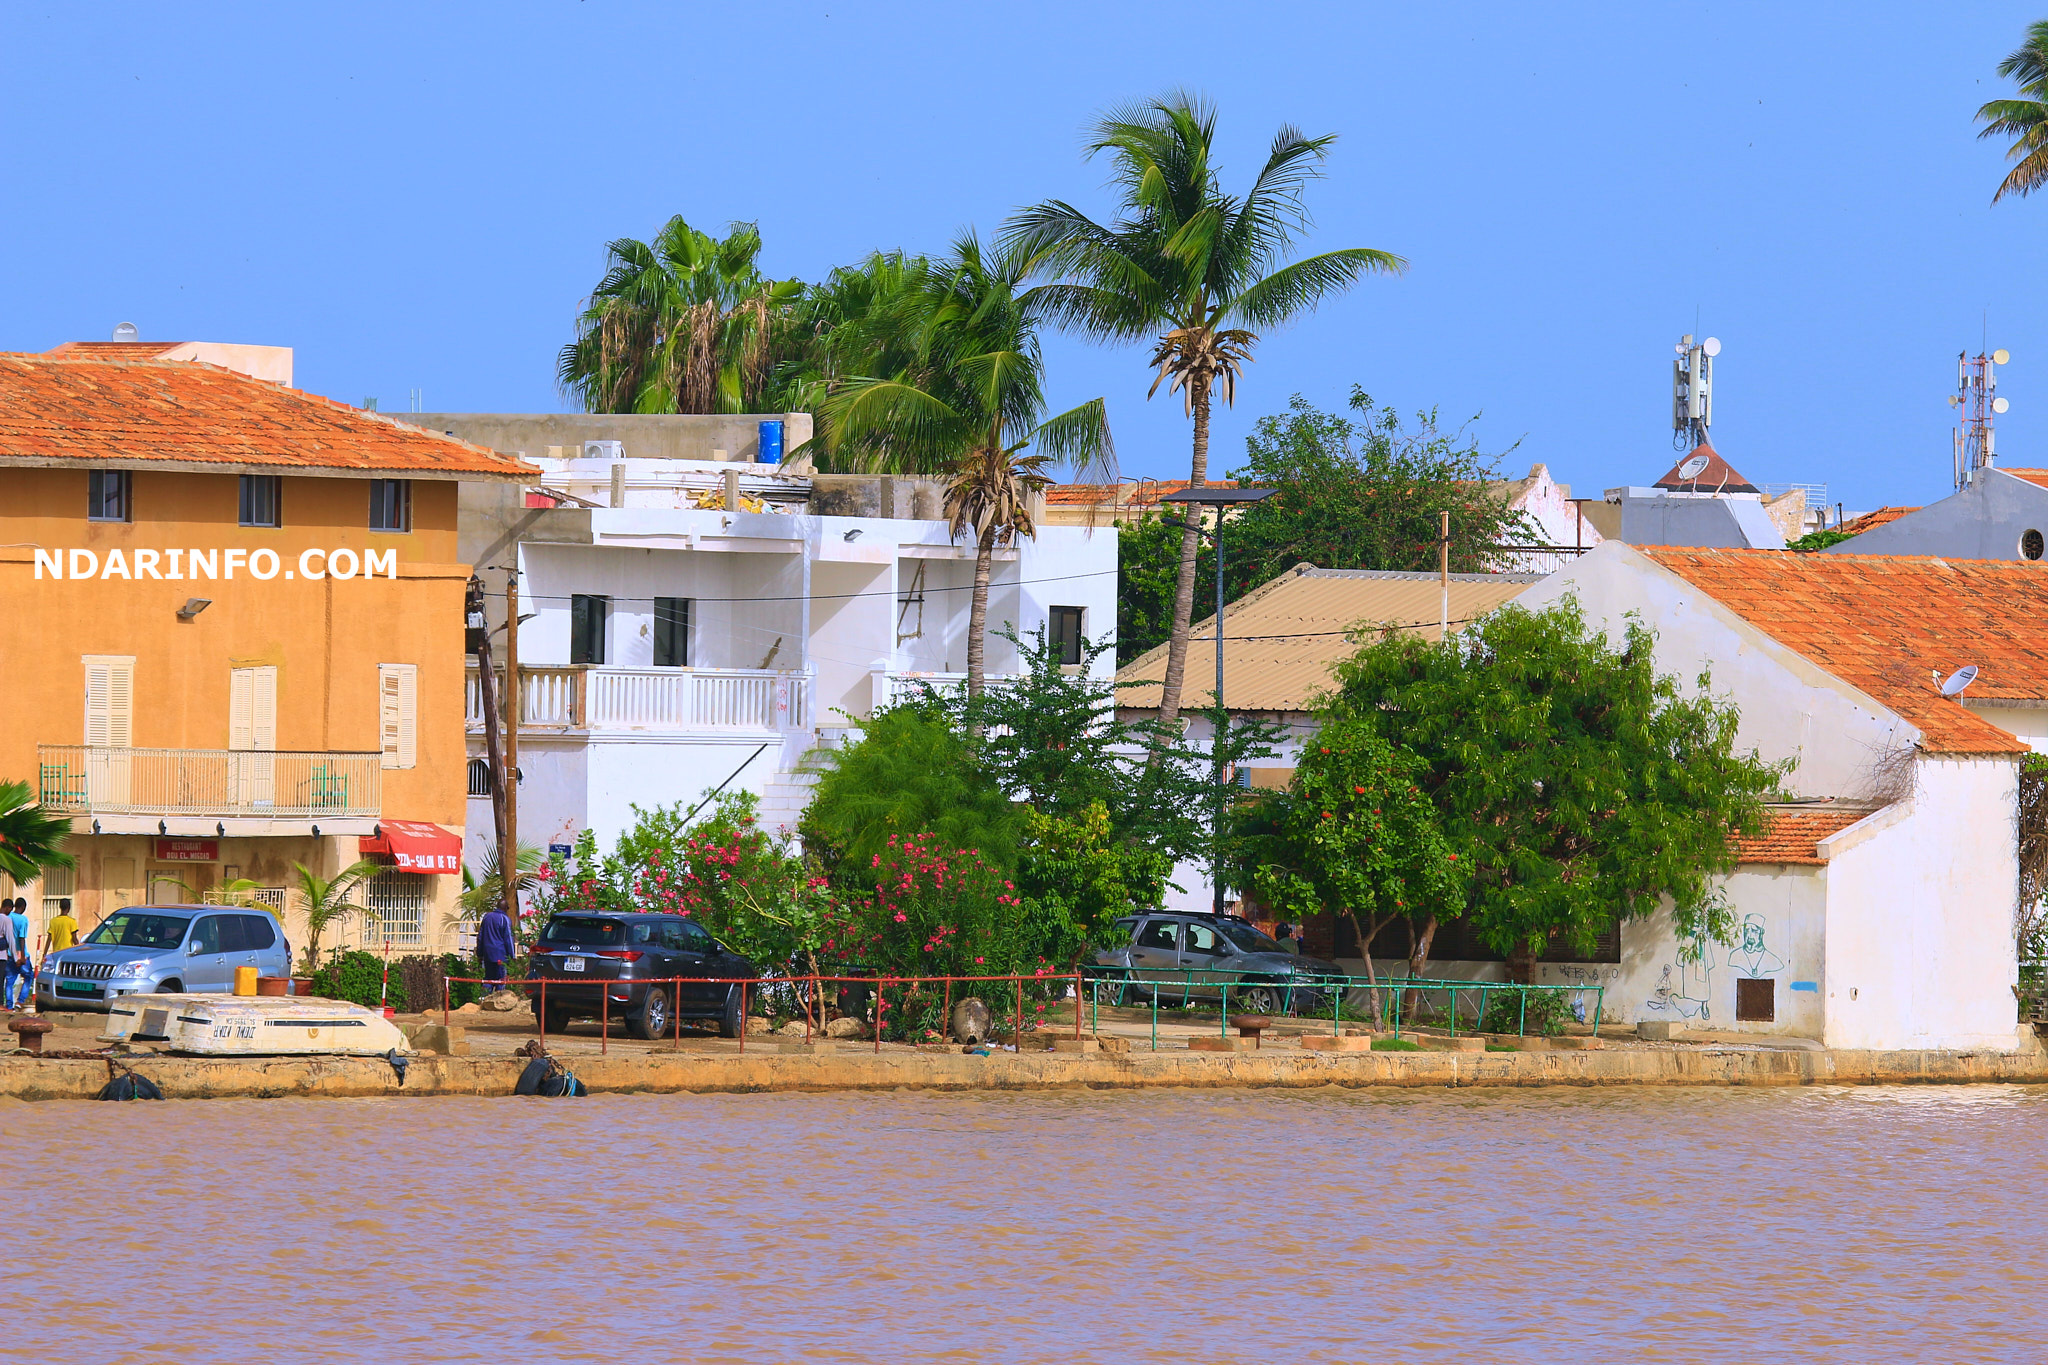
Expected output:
{"points": [[234, 635]]}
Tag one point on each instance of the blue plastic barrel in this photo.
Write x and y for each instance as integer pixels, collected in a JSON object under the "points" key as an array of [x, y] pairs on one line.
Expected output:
{"points": [[771, 442]]}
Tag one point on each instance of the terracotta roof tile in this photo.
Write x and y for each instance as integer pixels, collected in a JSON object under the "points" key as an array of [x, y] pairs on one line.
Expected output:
{"points": [[67, 409], [1717, 477], [2037, 477], [1870, 521], [1794, 836], [1144, 493], [1894, 626]]}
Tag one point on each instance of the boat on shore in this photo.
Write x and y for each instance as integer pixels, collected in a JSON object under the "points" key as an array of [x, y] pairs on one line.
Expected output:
{"points": [[253, 1026]]}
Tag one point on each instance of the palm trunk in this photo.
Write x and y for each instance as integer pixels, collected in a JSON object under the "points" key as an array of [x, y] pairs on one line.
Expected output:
{"points": [[977, 629], [1190, 544]]}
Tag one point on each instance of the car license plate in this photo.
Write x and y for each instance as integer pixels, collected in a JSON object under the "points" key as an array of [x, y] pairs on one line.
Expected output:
{"points": [[572, 964]]}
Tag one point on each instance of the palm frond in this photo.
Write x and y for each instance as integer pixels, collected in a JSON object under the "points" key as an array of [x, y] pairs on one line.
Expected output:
{"points": [[1298, 288]]}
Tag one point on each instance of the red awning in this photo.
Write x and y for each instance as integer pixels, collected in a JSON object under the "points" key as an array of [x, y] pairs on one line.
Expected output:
{"points": [[415, 846]]}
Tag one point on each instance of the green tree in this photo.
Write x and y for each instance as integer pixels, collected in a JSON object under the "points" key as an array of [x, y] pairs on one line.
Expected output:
{"points": [[1576, 783], [909, 774], [1189, 268], [31, 838], [2024, 119], [327, 901], [971, 404], [1353, 836], [1359, 492], [685, 323], [1147, 570]]}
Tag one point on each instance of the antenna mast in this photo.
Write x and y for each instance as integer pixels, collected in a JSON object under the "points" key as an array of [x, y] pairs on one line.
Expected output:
{"points": [[1692, 391], [1976, 398]]}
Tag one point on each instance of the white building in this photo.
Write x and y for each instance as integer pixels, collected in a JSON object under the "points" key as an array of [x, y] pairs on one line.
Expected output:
{"points": [[1879, 913], [725, 618]]}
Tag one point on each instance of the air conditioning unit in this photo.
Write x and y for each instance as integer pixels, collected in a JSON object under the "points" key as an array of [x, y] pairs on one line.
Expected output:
{"points": [[604, 450]]}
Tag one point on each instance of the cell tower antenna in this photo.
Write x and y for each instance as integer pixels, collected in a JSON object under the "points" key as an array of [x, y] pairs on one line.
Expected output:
{"points": [[1692, 391], [1977, 403]]}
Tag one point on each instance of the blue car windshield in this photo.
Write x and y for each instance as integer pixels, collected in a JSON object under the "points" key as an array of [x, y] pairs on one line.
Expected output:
{"points": [[138, 929]]}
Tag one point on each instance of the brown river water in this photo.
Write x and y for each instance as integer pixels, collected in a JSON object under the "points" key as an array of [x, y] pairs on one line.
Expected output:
{"points": [[1610, 1225]]}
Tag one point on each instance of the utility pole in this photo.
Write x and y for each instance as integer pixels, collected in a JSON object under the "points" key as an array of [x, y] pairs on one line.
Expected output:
{"points": [[508, 826], [1443, 569], [487, 690]]}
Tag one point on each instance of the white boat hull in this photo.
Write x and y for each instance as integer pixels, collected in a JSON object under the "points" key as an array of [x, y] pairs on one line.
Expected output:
{"points": [[253, 1025]]}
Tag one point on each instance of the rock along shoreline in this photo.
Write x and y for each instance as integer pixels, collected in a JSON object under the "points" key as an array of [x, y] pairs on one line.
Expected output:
{"points": [[29, 1078]]}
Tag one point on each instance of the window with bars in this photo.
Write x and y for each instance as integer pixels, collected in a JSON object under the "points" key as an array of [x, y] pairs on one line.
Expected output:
{"points": [[397, 902], [479, 777]]}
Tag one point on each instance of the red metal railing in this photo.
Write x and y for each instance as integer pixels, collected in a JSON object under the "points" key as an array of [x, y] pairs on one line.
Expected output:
{"points": [[879, 984]]}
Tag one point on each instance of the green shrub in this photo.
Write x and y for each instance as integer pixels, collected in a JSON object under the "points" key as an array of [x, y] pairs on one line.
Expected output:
{"points": [[358, 977], [1546, 1012]]}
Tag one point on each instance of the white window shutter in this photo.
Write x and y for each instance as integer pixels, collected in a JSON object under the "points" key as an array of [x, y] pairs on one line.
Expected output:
{"points": [[109, 701], [263, 711], [242, 708], [398, 714]]}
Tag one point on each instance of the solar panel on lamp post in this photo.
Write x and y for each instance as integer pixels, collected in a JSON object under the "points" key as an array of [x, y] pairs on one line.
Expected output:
{"points": [[1219, 498]]}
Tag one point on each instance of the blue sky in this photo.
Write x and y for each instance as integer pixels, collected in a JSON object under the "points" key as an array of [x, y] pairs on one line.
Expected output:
{"points": [[418, 196]]}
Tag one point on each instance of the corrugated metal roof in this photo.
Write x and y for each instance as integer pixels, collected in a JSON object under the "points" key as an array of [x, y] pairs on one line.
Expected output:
{"points": [[1280, 639]]}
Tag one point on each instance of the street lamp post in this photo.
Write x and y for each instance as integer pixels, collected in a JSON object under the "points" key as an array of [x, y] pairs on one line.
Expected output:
{"points": [[1218, 498]]}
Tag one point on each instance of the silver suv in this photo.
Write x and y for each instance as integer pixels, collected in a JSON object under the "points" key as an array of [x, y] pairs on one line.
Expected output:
{"points": [[1189, 956], [144, 949]]}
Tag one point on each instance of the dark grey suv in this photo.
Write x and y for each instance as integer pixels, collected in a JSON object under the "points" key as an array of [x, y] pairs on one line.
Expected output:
{"points": [[1186, 956], [587, 956]]}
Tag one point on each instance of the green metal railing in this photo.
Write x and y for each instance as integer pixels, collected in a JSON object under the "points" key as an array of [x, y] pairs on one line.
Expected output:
{"points": [[1158, 981]]}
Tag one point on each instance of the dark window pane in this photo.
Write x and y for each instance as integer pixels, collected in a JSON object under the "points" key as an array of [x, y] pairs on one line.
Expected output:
{"points": [[262, 500], [479, 777], [671, 632], [107, 495], [231, 939], [1064, 629], [390, 505], [1160, 933], [257, 933], [585, 933], [586, 628], [206, 935]]}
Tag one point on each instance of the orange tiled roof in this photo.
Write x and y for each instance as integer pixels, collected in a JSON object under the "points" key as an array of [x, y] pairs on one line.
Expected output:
{"points": [[2037, 477], [1144, 493], [1894, 626], [1794, 836], [1870, 521], [113, 350], [67, 408]]}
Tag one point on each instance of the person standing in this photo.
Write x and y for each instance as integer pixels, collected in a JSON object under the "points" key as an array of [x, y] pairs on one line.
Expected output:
{"points": [[24, 965], [62, 927], [12, 945], [494, 942]]}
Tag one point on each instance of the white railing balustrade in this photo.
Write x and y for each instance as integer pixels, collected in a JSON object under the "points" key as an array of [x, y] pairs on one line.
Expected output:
{"points": [[616, 698]]}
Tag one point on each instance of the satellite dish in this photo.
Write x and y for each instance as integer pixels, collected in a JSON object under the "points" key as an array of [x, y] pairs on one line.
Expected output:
{"points": [[1712, 346], [1953, 400], [1958, 680], [2000, 356], [2000, 405], [127, 332], [1693, 468]]}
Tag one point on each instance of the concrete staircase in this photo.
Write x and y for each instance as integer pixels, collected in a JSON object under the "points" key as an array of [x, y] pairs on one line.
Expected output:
{"points": [[787, 794]]}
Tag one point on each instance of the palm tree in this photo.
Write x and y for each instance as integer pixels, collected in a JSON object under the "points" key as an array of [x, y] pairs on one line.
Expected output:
{"points": [[327, 901], [31, 838], [2026, 119], [685, 324], [969, 402], [1189, 268], [480, 893]]}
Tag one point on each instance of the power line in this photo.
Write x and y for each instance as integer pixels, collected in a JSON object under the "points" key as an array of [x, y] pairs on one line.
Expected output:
{"points": [[890, 593]]}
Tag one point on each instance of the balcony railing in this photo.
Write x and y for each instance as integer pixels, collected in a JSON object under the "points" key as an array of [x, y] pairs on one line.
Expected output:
{"points": [[78, 779], [893, 689], [605, 698]]}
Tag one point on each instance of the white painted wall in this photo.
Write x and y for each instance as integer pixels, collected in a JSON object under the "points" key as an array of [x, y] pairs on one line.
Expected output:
{"points": [[1920, 911]]}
